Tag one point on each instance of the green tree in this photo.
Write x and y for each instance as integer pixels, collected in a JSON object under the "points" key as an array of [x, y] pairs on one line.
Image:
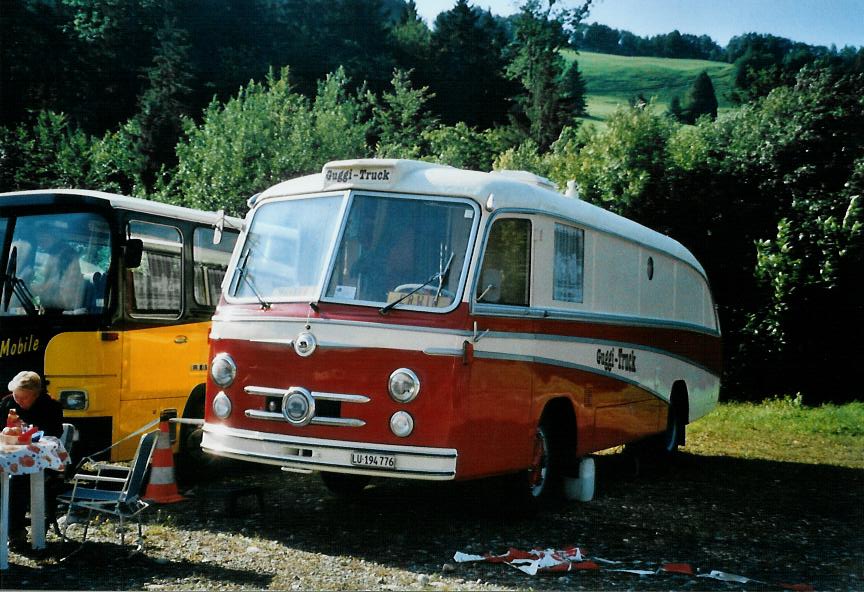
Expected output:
{"points": [[266, 134], [411, 40], [401, 117], [164, 103], [623, 167], [465, 147], [469, 82], [552, 95], [700, 100], [676, 111], [48, 153]]}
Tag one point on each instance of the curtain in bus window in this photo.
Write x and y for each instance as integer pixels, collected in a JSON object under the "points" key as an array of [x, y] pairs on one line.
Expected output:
{"points": [[504, 278], [157, 283], [210, 262], [568, 271]]}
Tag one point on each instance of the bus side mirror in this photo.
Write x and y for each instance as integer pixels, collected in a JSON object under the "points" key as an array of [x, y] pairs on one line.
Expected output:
{"points": [[132, 253]]}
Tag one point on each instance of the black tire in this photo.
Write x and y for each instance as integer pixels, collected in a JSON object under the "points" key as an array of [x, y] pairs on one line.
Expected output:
{"points": [[542, 483], [344, 485], [664, 445]]}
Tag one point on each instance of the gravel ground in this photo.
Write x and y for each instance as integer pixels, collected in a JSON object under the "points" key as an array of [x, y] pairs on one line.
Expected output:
{"points": [[769, 521]]}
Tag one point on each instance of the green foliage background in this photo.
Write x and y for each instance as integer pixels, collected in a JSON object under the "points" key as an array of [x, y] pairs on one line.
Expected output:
{"points": [[164, 100]]}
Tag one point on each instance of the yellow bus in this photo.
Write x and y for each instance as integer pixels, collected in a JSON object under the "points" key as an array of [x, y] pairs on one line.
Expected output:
{"points": [[109, 298]]}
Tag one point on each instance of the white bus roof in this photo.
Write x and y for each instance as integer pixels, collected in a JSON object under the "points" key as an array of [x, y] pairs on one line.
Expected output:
{"points": [[138, 205], [516, 190]]}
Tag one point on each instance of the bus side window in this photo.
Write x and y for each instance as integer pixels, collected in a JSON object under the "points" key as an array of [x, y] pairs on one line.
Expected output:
{"points": [[156, 285], [569, 264], [506, 272], [210, 262]]}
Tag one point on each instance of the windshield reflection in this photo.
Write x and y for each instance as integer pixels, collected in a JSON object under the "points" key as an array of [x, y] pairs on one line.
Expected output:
{"points": [[392, 247], [284, 256]]}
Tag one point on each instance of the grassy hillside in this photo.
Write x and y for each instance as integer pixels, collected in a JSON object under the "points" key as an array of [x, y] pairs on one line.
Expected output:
{"points": [[613, 80]]}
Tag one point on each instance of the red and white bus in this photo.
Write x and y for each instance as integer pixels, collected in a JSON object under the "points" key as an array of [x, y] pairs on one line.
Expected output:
{"points": [[396, 318]]}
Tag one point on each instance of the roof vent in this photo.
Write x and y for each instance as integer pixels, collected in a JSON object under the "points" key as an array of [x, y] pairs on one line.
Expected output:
{"points": [[527, 177], [573, 190]]}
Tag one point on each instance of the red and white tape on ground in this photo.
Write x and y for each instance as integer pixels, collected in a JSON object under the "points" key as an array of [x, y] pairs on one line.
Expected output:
{"points": [[571, 559]]}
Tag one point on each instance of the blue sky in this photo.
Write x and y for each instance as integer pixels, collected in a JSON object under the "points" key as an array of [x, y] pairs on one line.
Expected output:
{"points": [[817, 22]]}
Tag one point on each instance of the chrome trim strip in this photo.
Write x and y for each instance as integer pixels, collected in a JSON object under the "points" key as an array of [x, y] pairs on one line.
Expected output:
{"points": [[268, 415], [442, 351], [266, 391], [343, 397], [339, 421], [328, 421], [483, 310]]}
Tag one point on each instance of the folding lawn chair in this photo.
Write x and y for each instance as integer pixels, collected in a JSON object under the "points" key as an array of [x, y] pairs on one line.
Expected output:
{"points": [[123, 503]]}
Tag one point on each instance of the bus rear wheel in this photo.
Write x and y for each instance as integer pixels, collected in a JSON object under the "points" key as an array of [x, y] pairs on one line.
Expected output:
{"points": [[344, 485], [662, 446]]}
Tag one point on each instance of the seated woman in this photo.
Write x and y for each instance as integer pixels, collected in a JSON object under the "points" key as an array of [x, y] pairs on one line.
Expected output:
{"points": [[61, 284]]}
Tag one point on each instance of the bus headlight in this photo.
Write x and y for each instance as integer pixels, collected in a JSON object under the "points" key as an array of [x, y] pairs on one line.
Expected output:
{"points": [[221, 405], [223, 370], [73, 400], [298, 406], [402, 424], [404, 385]]}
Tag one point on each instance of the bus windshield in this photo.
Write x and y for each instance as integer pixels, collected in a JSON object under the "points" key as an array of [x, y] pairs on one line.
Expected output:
{"points": [[392, 249], [57, 263], [406, 250]]}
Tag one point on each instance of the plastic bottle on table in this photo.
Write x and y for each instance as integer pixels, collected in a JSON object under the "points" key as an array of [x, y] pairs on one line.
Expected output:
{"points": [[12, 419]]}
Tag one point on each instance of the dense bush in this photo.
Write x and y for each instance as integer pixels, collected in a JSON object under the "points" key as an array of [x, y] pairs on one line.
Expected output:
{"points": [[768, 196]]}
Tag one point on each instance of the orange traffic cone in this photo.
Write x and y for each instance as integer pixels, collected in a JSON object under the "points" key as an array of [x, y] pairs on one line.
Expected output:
{"points": [[162, 489]]}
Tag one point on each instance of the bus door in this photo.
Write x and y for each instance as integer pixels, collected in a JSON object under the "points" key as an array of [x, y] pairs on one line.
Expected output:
{"points": [[499, 396], [158, 348]]}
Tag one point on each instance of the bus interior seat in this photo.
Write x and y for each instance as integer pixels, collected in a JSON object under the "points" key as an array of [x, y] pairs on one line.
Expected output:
{"points": [[94, 291]]}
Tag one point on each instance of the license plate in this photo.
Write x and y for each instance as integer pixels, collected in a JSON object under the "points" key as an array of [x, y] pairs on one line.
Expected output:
{"points": [[378, 461]]}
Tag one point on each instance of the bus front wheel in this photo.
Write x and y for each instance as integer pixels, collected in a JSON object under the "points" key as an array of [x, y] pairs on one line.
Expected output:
{"points": [[542, 482]]}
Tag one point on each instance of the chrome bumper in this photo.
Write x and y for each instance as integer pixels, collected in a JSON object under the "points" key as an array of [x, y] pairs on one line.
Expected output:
{"points": [[412, 462]]}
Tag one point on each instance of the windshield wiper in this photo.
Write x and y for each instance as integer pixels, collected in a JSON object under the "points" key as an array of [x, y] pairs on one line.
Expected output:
{"points": [[241, 269], [442, 277], [18, 287], [385, 309], [22, 292]]}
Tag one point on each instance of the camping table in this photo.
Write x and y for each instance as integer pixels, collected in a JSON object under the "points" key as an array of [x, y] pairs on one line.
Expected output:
{"points": [[28, 459]]}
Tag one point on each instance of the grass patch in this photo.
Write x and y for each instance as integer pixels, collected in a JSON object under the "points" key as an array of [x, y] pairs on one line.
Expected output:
{"points": [[783, 430], [613, 80]]}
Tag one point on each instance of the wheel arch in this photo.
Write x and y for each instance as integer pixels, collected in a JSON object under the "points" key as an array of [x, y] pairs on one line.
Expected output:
{"points": [[195, 402], [559, 415]]}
